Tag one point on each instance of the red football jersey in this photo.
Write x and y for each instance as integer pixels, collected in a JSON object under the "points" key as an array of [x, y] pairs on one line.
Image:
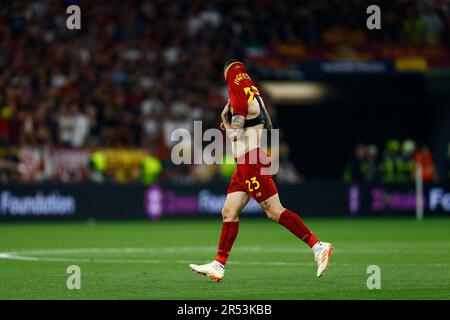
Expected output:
{"points": [[241, 89]]}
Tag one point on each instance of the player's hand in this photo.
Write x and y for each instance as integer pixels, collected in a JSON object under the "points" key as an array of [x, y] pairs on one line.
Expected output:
{"points": [[222, 126]]}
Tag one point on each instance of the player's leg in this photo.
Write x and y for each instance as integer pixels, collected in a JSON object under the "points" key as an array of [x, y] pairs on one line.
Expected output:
{"points": [[276, 212], [234, 203], [233, 206]]}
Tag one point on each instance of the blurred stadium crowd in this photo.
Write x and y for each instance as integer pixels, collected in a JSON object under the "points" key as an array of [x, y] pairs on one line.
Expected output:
{"points": [[112, 92], [397, 163]]}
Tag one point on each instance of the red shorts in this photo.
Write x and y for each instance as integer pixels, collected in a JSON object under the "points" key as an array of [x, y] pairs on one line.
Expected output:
{"points": [[248, 177]]}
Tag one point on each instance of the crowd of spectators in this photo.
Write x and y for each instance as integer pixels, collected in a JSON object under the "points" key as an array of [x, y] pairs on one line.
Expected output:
{"points": [[138, 69], [397, 163]]}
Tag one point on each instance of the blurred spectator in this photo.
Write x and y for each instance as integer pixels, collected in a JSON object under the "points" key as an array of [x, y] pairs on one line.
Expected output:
{"points": [[6, 113], [433, 25], [405, 166], [369, 165], [363, 167], [9, 169], [413, 27], [73, 126], [425, 159], [287, 172], [354, 170], [391, 162], [397, 165]]}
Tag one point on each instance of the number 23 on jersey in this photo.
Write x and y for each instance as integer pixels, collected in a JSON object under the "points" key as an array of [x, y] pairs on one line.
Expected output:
{"points": [[252, 184]]}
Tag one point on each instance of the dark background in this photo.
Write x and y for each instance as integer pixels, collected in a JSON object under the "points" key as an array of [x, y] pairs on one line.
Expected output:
{"points": [[364, 109]]}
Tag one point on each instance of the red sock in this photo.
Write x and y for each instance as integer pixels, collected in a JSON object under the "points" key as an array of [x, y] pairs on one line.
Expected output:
{"points": [[229, 233], [295, 224]]}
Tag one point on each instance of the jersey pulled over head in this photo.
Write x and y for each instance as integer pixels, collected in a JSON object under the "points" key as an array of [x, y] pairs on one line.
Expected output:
{"points": [[241, 89]]}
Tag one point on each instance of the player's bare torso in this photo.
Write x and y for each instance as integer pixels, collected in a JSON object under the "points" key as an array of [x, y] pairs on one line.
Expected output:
{"points": [[251, 137]]}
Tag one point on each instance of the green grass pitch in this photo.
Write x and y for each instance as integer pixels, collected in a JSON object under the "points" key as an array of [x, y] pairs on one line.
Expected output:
{"points": [[148, 260]]}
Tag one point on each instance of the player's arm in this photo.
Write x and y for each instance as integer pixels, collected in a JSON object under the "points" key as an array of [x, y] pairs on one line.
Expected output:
{"points": [[239, 103], [237, 124], [268, 120], [234, 125], [225, 116]]}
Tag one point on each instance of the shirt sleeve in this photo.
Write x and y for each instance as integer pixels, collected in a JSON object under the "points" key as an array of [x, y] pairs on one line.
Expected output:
{"points": [[238, 100]]}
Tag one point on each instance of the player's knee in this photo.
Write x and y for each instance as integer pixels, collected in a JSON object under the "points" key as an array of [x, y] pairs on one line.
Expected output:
{"points": [[274, 213], [229, 215], [271, 215]]}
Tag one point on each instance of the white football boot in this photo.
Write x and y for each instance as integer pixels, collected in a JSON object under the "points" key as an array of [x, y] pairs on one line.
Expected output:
{"points": [[322, 253], [213, 270]]}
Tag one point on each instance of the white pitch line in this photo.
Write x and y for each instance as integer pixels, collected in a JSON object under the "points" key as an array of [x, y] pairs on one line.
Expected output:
{"points": [[13, 256], [115, 250], [10, 256], [154, 261], [249, 249], [30, 255]]}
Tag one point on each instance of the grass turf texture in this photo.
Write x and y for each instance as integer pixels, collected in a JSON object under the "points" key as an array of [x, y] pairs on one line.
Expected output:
{"points": [[267, 262]]}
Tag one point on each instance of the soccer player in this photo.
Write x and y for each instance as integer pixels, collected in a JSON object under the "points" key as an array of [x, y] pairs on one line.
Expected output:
{"points": [[242, 117]]}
